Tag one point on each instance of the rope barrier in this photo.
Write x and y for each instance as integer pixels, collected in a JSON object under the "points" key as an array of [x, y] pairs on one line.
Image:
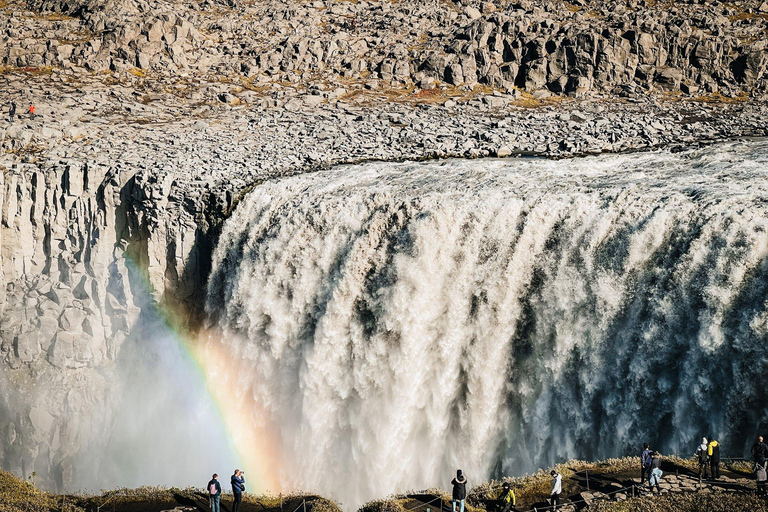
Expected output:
{"points": [[427, 503], [302, 504]]}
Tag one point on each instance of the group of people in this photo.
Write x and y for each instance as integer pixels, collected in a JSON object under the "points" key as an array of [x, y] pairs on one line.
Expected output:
{"points": [[707, 453], [12, 111], [650, 467], [238, 488], [507, 502], [708, 456]]}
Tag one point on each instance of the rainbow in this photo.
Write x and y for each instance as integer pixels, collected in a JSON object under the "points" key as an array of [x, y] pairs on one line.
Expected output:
{"points": [[251, 437]]}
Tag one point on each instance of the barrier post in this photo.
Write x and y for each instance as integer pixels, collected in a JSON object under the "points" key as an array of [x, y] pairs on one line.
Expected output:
{"points": [[587, 473]]}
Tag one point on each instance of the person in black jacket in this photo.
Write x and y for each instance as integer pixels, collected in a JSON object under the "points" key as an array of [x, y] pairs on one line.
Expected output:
{"points": [[214, 490], [459, 491], [760, 451]]}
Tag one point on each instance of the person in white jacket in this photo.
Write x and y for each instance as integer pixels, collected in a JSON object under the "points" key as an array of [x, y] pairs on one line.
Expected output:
{"points": [[557, 488]]}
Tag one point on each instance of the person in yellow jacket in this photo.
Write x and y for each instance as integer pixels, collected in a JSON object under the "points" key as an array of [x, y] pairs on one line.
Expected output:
{"points": [[713, 450], [507, 499]]}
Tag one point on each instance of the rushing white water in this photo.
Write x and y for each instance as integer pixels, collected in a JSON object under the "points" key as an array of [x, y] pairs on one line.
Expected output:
{"points": [[404, 320]]}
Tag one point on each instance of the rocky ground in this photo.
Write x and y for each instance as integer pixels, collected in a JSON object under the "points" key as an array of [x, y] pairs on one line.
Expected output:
{"points": [[612, 485], [601, 486], [154, 117]]}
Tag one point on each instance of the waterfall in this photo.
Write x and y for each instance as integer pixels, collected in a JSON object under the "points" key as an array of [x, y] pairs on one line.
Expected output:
{"points": [[393, 322]]}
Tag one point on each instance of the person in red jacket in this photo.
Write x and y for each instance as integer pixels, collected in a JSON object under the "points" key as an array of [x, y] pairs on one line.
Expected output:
{"points": [[31, 111]]}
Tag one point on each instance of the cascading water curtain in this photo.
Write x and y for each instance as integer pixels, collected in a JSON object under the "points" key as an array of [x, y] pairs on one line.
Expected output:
{"points": [[394, 322]]}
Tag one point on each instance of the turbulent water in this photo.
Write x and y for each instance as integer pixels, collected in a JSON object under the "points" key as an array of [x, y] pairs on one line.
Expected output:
{"points": [[399, 321]]}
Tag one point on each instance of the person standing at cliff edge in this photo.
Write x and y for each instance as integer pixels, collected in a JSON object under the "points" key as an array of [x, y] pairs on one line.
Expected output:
{"points": [[507, 500], [238, 487], [645, 463], [654, 477], [714, 459], [760, 451], [557, 488], [459, 491], [214, 491], [703, 456]]}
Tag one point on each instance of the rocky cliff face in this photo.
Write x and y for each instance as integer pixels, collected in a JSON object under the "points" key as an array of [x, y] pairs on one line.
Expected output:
{"points": [[85, 247]]}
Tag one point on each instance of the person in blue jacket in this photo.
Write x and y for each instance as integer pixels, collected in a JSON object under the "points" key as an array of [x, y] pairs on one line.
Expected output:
{"points": [[645, 463], [238, 487], [214, 490]]}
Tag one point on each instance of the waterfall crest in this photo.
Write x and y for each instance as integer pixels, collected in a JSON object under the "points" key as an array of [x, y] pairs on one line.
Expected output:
{"points": [[394, 322]]}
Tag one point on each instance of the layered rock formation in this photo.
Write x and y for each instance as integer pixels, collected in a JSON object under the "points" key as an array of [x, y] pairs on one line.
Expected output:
{"points": [[81, 256]]}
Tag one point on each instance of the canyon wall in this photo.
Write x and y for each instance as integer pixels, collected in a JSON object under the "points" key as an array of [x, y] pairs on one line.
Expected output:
{"points": [[87, 248]]}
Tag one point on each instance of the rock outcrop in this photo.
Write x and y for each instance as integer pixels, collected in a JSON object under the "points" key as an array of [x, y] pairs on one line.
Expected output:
{"points": [[83, 251], [692, 48]]}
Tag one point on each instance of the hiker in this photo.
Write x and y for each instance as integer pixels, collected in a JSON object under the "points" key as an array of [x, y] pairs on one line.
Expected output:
{"points": [[761, 476], [214, 491], [714, 459], [507, 501], [238, 487], [655, 474], [557, 488], [701, 453], [12, 112], [645, 463], [31, 111], [760, 451], [459, 491]]}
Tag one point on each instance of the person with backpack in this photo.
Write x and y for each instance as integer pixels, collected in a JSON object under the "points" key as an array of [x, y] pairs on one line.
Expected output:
{"points": [[761, 476], [760, 451], [238, 488], [703, 456], [557, 488], [12, 112], [459, 491], [214, 492], [645, 463], [713, 450], [654, 476], [507, 500]]}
